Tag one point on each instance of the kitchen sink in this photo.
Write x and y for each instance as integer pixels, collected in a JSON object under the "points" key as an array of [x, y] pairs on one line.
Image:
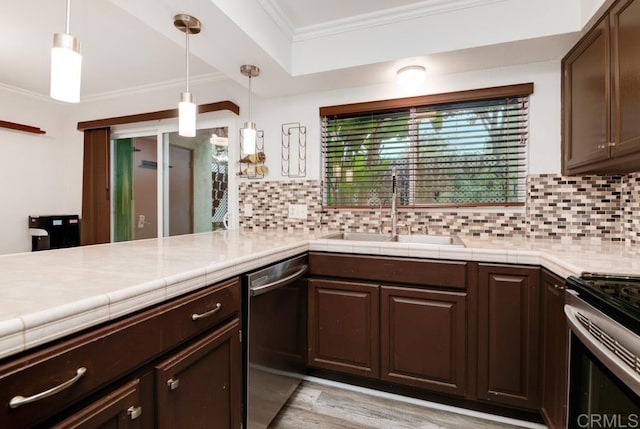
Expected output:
{"points": [[439, 240], [358, 236]]}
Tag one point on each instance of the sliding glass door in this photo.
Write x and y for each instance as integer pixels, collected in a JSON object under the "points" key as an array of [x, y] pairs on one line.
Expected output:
{"points": [[188, 194], [135, 176]]}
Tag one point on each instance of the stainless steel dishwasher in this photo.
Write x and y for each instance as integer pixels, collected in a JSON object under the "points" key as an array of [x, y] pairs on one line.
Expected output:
{"points": [[275, 331]]}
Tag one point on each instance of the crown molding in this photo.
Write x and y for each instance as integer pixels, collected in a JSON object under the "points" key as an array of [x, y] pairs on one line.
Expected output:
{"points": [[30, 94], [175, 83], [385, 17], [275, 12]]}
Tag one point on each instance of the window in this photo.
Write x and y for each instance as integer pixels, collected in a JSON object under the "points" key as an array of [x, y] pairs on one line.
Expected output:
{"points": [[459, 149]]}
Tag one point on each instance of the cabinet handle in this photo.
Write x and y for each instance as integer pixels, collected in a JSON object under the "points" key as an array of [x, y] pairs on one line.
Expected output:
{"points": [[134, 412], [173, 384], [558, 287], [601, 147], [17, 401], [611, 144], [207, 314]]}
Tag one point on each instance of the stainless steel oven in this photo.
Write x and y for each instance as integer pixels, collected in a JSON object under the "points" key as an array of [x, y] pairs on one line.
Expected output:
{"points": [[604, 375], [275, 329]]}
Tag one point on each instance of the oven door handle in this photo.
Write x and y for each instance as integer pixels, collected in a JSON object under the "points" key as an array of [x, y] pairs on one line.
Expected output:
{"points": [[259, 290], [608, 358]]}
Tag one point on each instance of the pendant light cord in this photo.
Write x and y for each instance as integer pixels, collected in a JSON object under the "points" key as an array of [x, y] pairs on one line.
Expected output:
{"points": [[187, 36], [67, 18], [249, 97]]}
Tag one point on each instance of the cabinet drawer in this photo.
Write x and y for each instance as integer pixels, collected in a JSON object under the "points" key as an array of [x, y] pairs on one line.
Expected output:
{"points": [[118, 408], [87, 362], [449, 274]]}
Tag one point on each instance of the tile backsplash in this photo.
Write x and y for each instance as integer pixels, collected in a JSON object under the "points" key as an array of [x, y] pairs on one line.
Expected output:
{"points": [[601, 207]]}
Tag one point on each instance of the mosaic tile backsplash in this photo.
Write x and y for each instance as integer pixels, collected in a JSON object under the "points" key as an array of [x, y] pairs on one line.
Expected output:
{"points": [[602, 207]]}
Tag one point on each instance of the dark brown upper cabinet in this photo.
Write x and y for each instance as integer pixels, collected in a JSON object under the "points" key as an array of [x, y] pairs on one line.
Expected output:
{"points": [[601, 96]]}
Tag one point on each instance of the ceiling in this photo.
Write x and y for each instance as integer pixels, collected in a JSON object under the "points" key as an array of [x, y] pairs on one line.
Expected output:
{"points": [[132, 45]]}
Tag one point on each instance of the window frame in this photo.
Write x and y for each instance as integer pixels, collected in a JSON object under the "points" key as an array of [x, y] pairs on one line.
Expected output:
{"points": [[497, 92]]}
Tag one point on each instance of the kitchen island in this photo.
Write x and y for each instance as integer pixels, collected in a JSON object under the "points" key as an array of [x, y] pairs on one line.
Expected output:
{"points": [[119, 324], [48, 295]]}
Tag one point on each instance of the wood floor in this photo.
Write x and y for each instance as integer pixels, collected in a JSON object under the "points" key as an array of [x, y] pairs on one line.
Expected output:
{"points": [[326, 407]]}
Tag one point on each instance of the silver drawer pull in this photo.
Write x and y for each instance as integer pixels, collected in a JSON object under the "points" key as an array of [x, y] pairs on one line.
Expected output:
{"points": [[17, 401], [134, 412], [173, 384], [207, 314]]}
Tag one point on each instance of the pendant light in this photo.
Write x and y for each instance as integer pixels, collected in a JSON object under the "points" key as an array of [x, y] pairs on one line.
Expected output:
{"points": [[186, 107], [66, 64], [249, 133]]}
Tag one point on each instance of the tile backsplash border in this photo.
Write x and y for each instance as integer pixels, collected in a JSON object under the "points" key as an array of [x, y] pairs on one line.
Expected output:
{"points": [[593, 207]]}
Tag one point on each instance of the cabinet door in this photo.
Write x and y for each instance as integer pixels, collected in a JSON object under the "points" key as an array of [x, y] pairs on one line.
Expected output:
{"points": [[423, 338], [554, 352], [625, 33], [586, 94], [508, 335], [343, 333], [200, 386], [119, 409]]}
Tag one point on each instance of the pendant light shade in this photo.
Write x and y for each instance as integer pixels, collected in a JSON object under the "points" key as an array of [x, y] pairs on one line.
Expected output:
{"points": [[186, 107], [249, 136], [66, 65], [248, 132], [186, 115]]}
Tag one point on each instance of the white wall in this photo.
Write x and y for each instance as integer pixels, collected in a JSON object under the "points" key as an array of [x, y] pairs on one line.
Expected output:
{"points": [[43, 175], [35, 178], [592, 8]]}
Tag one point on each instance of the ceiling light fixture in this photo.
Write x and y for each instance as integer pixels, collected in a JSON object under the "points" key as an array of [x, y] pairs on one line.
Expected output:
{"points": [[248, 132], [411, 76], [186, 107], [66, 64]]}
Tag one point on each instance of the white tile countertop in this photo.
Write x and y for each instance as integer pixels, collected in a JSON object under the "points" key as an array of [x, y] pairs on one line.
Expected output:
{"points": [[47, 295]]}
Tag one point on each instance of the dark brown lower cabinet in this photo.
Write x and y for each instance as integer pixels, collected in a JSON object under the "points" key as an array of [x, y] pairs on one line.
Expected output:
{"points": [[118, 409], [423, 338], [198, 387], [508, 299], [343, 333], [554, 352], [117, 375]]}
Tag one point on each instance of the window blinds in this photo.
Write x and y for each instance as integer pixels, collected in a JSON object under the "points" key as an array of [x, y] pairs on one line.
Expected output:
{"points": [[457, 154]]}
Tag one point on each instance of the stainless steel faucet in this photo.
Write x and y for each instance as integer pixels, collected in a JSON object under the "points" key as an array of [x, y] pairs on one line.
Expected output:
{"points": [[394, 203]]}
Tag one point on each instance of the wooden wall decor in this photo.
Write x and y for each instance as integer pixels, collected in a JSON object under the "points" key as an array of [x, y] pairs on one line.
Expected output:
{"points": [[21, 127]]}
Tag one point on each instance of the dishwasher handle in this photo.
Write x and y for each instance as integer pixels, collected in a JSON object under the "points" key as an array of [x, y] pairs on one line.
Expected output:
{"points": [[259, 290]]}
